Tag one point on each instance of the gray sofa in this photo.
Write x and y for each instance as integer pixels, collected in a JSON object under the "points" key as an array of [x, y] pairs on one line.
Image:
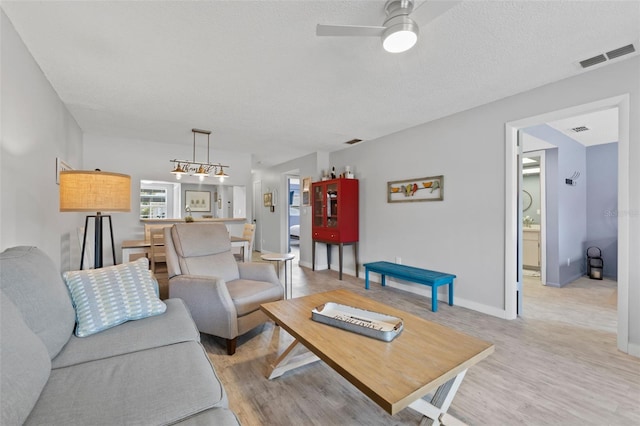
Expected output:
{"points": [[151, 371]]}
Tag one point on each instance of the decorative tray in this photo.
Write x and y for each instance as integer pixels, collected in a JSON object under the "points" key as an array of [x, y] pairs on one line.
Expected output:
{"points": [[368, 323]]}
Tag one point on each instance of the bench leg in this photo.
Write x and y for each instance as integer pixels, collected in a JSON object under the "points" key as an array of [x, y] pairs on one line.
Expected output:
{"points": [[366, 278], [451, 293], [383, 280], [434, 298]]}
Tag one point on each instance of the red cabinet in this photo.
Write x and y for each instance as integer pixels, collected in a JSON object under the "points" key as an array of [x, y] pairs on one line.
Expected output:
{"points": [[335, 216]]}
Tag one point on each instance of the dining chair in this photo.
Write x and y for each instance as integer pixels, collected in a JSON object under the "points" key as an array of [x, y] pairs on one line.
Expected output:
{"points": [[248, 232], [158, 259]]}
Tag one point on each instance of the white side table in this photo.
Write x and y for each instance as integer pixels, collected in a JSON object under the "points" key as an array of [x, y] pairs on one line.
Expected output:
{"points": [[282, 257]]}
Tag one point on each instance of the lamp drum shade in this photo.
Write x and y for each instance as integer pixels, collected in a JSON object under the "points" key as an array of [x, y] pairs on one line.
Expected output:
{"points": [[94, 191]]}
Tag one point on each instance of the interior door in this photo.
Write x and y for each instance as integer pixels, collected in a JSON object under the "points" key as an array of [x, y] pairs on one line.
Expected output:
{"points": [[255, 215]]}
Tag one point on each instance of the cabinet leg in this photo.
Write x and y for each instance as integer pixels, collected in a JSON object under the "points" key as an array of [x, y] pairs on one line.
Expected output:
{"points": [[340, 246], [355, 255], [313, 255], [328, 256]]}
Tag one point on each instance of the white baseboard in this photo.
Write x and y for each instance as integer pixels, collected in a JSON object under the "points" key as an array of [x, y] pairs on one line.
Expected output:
{"points": [[443, 296], [306, 264], [421, 290], [634, 349]]}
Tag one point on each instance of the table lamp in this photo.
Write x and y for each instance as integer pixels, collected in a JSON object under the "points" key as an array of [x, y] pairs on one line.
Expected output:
{"points": [[95, 191]]}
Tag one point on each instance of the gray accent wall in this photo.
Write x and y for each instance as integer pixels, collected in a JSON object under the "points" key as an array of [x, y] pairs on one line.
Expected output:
{"points": [[571, 207], [602, 204], [552, 226]]}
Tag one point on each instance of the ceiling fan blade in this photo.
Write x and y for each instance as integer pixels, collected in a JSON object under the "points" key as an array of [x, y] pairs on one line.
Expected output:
{"points": [[348, 30], [431, 9]]}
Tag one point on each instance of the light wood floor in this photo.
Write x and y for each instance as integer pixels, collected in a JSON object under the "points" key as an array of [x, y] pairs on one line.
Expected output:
{"points": [[557, 365]]}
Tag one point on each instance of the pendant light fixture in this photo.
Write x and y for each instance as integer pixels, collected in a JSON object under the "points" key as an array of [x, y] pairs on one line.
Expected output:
{"points": [[201, 169]]}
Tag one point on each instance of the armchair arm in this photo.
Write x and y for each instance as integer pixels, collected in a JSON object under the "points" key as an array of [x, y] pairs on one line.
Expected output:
{"points": [[258, 272], [209, 301]]}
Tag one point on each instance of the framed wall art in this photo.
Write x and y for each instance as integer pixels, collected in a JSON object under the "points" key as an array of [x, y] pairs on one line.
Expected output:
{"points": [[419, 189], [198, 201], [268, 199]]}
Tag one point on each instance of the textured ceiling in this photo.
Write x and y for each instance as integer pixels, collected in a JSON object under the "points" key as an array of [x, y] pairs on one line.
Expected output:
{"points": [[255, 73]]}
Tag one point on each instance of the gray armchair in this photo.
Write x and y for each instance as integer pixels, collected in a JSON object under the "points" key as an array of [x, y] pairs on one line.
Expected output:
{"points": [[224, 296]]}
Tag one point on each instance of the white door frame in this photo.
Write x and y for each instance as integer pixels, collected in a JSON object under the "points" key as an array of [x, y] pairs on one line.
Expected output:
{"points": [[511, 204]]}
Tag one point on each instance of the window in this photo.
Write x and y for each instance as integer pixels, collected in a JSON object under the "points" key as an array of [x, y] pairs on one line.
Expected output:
{"points": [[153, 203], [157, 199]]}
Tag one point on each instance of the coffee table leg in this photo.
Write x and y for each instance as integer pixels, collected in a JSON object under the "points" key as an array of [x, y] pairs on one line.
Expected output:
{"points": [[436, 409], [291, 359]]}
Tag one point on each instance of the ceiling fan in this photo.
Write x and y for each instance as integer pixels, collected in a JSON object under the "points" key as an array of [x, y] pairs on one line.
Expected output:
{"points": [[399, 32]]}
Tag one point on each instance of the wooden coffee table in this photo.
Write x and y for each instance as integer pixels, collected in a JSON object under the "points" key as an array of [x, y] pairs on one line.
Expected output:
{"points": [[425, 357]]}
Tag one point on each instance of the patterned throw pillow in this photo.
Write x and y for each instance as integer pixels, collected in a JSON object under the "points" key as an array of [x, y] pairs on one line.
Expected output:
{"points": [[106, 297]]}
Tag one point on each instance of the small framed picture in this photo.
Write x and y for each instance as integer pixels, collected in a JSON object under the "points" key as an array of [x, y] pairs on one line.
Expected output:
{"points": [[198, 201], [268, 199]]}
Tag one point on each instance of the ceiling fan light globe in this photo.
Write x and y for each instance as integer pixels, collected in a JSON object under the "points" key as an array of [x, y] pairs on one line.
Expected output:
{"points": [[400, 35], [399, 41]]}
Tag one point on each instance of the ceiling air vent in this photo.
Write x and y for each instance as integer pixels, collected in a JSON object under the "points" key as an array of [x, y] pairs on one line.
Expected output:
{"points": [[353, 141], [580, 129], [593, 61], [604, 57], [621, 51]]}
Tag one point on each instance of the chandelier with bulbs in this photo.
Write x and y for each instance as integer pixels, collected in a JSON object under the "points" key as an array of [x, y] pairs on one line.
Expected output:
{"points": [[201, 169]]}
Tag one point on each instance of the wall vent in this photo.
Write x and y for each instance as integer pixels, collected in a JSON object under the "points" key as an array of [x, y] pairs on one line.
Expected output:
{"points": [[353, 141], [612, 54], [580, 129]]}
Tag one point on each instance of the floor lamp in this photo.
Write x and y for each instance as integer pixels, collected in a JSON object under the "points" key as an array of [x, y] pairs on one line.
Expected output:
{"points": [[95, 191]]}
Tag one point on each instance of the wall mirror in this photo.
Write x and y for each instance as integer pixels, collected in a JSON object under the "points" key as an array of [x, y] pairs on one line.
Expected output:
{"points": [[169, 200]]}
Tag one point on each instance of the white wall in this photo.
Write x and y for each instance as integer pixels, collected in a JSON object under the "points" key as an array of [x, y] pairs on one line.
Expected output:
{"points": [[469, 150], [36, 128], [143, 159]]}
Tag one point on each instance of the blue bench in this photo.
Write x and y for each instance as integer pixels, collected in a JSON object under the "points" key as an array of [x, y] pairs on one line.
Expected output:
{"points": [[410, 273]]}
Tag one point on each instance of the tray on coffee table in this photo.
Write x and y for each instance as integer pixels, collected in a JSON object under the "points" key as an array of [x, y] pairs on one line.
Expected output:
{"points": [[372, 324]]}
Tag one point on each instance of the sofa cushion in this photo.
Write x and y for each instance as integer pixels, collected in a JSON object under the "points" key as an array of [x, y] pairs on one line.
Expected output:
{"points": [[106, 297], [174, 326], [33, 283], [24, 365], [153, 387]]}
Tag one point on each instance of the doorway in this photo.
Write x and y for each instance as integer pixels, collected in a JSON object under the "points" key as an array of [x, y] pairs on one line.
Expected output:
{"points": [[293, 213], [513, 216]]}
